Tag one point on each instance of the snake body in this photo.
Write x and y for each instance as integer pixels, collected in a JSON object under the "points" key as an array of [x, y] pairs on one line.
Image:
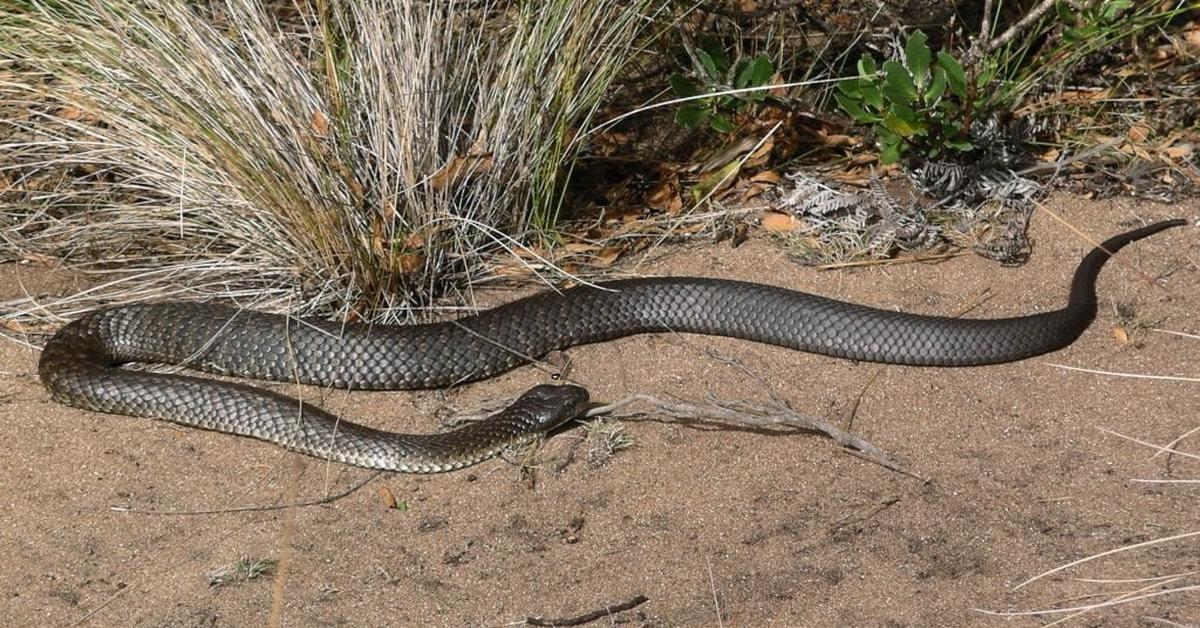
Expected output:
{"points": [[80, 364]]}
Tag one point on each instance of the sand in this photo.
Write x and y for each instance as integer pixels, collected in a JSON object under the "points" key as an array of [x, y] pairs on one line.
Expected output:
{"points": [[717, 527]]}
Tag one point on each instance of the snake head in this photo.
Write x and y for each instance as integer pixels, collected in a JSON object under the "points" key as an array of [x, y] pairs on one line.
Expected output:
{"points": [[554, 405]]}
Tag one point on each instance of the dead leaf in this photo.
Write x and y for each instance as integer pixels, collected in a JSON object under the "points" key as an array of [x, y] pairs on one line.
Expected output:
{"points": [[460, 168], [778, 92], [761, 155], [728, 154], [1120, 335], [535, 252], [767, 176], [70, 113], [665, 196], [319, 124], [777, 222], [39, 259], [760, 183], [1192, 38], [580, 247], [415, 240], [512, 270], [839, 139], [607, 255], [1179, 151], [740, 235], [1139, 132], [387, 497], [716, 181], [409, 263]]}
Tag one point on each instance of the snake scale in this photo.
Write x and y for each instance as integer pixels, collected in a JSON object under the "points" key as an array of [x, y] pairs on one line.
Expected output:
{"points": [[80, 365]]}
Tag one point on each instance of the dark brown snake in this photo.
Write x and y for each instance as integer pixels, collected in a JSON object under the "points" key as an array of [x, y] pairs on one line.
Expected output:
{"points": [[80, 364]]}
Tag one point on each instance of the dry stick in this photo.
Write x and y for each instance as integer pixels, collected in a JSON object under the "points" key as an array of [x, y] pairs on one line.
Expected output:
{"points": [[985, 29], [712, 585], [635, 601], [780, 403], [744, 413], [989, 45]]}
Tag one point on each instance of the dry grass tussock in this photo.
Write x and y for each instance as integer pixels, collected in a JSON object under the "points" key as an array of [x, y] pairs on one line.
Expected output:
{"points": [[355, 160]]}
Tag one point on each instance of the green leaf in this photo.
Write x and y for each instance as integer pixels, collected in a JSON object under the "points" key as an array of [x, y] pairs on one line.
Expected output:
{"points": [[721, 123], [854, 109], [761, 70], [712, 48], [902, 121], [937, 87], [917, 57], [898, 84], [850, 87], [1113, 8], [963, 145], [889, 152], [682, 86], [691, 116], [755, 73], [1065, 13], [955, 76], [872, 95], [709, 65], [866, 66], [721, 176]]}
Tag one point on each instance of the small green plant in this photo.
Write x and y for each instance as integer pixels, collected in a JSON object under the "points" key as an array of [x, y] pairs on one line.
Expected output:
{"points": [[1061, 41], [920, 105], [718, 74], [246, 568], [605, 439], [1093, 21]]}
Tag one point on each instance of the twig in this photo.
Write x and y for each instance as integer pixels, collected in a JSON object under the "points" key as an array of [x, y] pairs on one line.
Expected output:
{"points": [[985, 29], [317, 502], [1057, 165], [1103, 554], [985, 45], [712, 585], [744, 413], [1171, 378], [612, 609]]}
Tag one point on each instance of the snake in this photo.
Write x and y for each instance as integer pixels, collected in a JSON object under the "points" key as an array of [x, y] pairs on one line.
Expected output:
{"points": [[81, 363]]}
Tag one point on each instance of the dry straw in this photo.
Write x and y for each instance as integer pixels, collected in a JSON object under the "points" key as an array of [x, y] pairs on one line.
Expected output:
{"points": [[320, 158]]}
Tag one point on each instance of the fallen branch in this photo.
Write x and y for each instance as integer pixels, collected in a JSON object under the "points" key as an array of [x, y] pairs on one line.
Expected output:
{"points": [[635, 601], [774, 414]]}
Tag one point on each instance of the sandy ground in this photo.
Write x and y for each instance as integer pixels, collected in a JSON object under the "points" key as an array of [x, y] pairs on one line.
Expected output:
{"points": [[715, 527]]}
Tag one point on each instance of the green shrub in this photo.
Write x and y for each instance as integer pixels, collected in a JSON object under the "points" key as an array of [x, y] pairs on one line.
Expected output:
{"points": [[918, 106], [717, 75]]}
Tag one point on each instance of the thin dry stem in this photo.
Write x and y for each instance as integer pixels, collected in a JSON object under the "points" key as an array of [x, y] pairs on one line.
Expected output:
{"points": [[355, 163], [772, 415]]}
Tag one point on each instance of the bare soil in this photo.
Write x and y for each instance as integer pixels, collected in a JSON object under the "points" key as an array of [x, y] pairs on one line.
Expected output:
{"points": [[717, 527]]}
